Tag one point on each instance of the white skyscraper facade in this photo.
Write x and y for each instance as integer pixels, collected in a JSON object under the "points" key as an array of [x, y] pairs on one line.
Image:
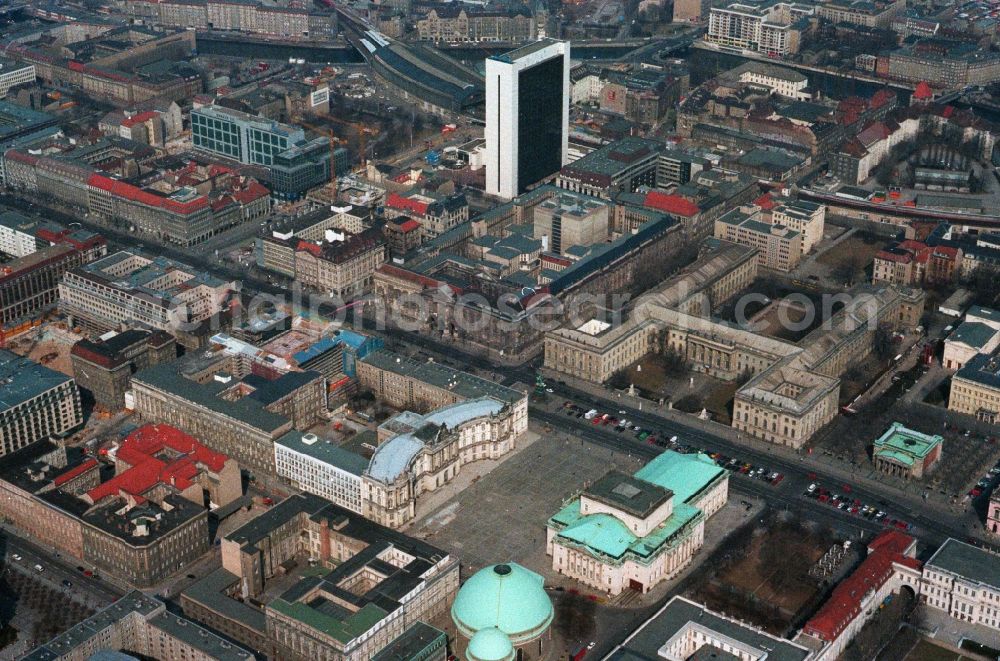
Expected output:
{"points": [[527, 116]]}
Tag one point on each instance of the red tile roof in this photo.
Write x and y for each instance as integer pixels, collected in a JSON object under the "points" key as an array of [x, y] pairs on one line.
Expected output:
{"points": [[74, 472], [923, 92], [397, 201], [136, 194], [129, 122], [140, 450], [765, 202], [409, 226], [844, 605], [674, 204]]}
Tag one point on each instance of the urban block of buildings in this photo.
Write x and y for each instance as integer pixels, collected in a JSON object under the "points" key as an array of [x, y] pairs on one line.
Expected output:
{"points": [[793, 389], [140, 624], [130, 289], [380, 584], [234, 398], [29, 283], [905, 453], [143, 524], [104, 367], [633, 532]]}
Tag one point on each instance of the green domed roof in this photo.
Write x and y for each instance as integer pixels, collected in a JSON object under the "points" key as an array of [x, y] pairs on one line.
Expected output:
{"points": [[506, 597], [490, 645]]}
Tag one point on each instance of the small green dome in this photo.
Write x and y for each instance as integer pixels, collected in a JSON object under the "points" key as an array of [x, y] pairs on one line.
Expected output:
{"points": [[490, 645], [507, 597]]}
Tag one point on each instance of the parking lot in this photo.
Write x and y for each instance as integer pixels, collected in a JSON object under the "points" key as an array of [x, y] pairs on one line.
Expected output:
{"points": [[654, 437]]}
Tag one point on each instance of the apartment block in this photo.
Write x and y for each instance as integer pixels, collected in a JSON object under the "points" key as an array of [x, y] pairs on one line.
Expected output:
{"points": [[772, 28]]}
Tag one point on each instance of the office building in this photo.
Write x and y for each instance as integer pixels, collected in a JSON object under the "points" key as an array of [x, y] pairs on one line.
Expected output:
{"points": [[104, 367], [300, 167], [379, 582], [619, 167], [138, 624], [527, 116], [17, 235], [241, 137], [778, 247], [130, 289], [13, 73], [35, 403], [317, 466], [232, 404], [29, 284]]}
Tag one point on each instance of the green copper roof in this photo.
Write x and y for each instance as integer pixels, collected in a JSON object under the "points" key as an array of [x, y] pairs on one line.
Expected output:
{"points": [[507, 597], [602, 532], [606, 537], [490, 645], [686, 475], [903, 442], [344, 630], [901, 457]]}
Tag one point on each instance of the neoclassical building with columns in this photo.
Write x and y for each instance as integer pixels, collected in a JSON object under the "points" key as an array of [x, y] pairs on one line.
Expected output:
{"points": [[632, 532]]}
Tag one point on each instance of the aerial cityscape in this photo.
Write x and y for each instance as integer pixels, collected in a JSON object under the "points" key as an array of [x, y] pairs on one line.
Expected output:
{"points": [[499, 330]]}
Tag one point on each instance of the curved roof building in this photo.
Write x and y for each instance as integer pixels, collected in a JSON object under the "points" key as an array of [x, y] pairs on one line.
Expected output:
{"points": [[490, 645], [505, 601]]}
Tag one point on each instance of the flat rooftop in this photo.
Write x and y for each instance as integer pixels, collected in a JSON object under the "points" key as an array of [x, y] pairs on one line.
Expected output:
{"points": [[22, 379], [464, 384], [526, 50], [679, 612], [967, 561], [628, 494]]}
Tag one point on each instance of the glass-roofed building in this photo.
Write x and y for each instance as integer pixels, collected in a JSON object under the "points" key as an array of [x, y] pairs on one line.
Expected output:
{"points": [[631, 532]]}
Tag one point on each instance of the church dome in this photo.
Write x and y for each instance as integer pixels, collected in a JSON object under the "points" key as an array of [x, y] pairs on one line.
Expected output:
{"points": [[490, 645], [506, 597]]}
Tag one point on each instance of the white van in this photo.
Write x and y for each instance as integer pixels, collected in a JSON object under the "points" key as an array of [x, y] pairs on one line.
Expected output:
{"points": [[590, 415]]}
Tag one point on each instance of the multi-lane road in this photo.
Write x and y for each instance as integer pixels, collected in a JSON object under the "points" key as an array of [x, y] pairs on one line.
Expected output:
{"points": [[24, 556], [789, 494]]}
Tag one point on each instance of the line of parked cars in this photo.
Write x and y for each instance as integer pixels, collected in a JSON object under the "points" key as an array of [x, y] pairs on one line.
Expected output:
{"points": [[850, 505], [985, 485], [621, 425]]}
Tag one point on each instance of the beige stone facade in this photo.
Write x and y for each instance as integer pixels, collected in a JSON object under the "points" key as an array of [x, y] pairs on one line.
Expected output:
{"points": [[975, 389], [778, 247], [793, 389]]}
